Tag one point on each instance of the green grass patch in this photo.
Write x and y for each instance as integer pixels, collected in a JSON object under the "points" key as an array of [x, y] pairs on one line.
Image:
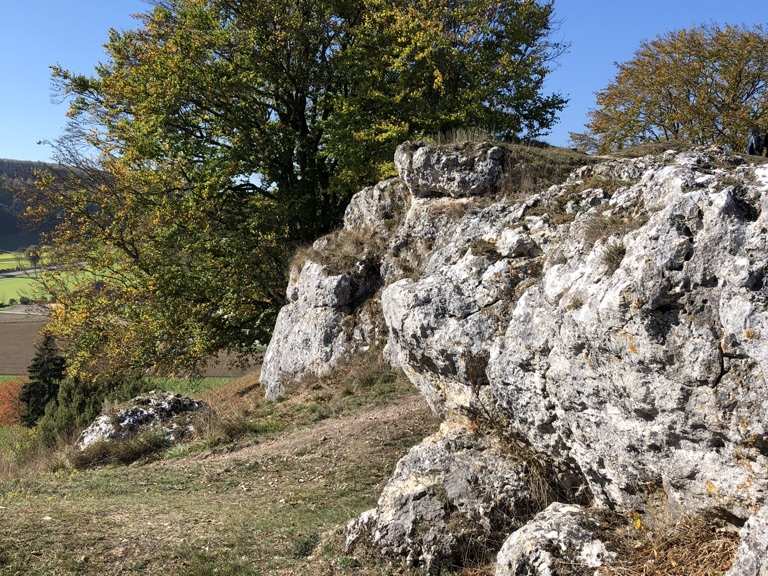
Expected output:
{"points": [[188, 386], [15, 288], [7, 378], [10, 261]]}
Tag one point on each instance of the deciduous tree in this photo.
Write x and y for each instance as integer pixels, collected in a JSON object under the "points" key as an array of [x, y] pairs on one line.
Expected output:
{"points": [[706, 85], [223, 133]]}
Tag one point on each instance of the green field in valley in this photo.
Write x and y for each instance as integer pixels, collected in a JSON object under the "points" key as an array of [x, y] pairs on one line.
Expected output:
{"points": [[15, 288], [13, 261]]}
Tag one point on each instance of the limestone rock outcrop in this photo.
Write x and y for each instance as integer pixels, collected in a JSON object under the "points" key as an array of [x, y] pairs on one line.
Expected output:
{"points": [[450, 497], [169, 414], [614, 325], [333, 312]]}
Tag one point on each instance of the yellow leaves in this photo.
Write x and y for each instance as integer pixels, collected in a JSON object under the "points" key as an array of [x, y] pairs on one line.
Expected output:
{"points": [[701, 86], [637, 521], [438, 84]]}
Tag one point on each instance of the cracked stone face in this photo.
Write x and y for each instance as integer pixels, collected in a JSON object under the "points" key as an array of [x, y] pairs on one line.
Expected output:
{"points": [[621, 331]]}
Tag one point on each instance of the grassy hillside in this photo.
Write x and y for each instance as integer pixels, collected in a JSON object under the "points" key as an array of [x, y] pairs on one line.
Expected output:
{"points": [[260, 504]]}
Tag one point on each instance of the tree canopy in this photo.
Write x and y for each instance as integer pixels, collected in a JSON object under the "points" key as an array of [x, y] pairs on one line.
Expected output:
{"points": [[221, 134], [706, 85]]}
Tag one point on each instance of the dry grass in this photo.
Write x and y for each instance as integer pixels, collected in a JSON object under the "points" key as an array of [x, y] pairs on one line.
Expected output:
{"points": [[139, 447], [464, 135], [22, 455], [481, 247], [555, 208], [601, 226], [342, 249], [613, 255], [254, 506], [607, 185], [532, 169], [661, 546]]}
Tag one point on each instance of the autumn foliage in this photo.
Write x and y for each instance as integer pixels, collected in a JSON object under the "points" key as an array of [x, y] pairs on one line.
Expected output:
{"points": [[701, 86], [10, 405]]}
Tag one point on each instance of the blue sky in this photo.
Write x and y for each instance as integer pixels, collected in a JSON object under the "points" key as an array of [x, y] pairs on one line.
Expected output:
{"points": [[37, 33]]}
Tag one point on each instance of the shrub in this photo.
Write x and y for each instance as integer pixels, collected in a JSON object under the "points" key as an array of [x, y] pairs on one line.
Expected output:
{"points": [[45, 375], [10, 402], [79, 402], [305, 545], [18, 447]]}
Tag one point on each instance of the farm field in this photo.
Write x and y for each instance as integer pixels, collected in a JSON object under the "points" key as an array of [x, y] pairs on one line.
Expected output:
{"points": [[17, 342], [15, 288], [13, 261]]}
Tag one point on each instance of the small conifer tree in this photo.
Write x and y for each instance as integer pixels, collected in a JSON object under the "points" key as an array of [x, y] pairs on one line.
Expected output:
{"points": [[45, 375]]}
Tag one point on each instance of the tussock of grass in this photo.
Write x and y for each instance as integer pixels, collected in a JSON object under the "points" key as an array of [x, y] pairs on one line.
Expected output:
{"points": [[601, 226], [341, 250], [127, 451], [661, 546], [463, 135], [613, 255], [532, 169]]}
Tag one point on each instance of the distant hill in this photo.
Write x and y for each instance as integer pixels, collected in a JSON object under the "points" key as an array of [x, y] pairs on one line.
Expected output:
{"points": [[14, 234]]}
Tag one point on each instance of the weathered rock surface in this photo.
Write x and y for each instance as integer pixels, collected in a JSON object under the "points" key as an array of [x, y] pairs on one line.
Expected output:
{"points": [[457, 171], [332, 315], [563, 540], [615, 324], [163, 412], [448, 498], [752, 557]]}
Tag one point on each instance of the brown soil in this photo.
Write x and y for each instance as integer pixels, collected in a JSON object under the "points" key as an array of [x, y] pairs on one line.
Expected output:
{"points": [[17, 342]]}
